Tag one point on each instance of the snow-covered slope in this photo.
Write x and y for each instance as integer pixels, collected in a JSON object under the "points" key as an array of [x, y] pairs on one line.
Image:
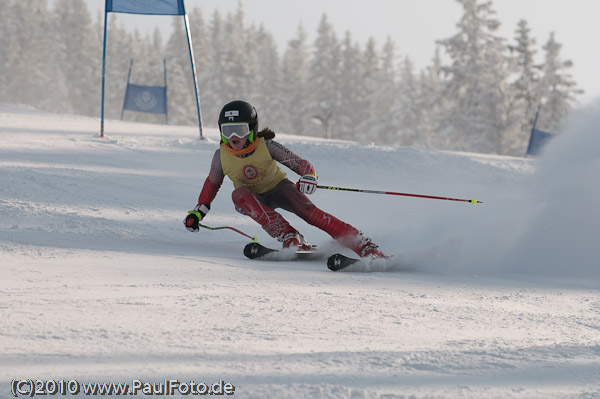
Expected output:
{"points": [[101, 282]]}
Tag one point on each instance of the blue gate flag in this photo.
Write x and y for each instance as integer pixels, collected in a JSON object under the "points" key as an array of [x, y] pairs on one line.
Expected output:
{"points": [[151, 99], [150, 7], [538, 140]]}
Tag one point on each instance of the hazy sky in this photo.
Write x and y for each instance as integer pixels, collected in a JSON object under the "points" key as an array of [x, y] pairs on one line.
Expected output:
{"points": [[415, 25]]}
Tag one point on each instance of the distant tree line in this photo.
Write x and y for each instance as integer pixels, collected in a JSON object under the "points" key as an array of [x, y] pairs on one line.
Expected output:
{"points": [[479, 93]]}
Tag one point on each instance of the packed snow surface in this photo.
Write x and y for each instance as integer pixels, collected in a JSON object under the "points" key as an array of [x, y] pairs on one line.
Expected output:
{"points": [[102, 283]]}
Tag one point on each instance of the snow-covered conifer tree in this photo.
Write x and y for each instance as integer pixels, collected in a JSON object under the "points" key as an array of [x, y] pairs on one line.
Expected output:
{"points": [[33, 59], [213, 98], [324, 81], [6, 43], [200, 40], [203, 51], [268, 80], [78, 52], [119, 51], [180, 89], [295, 71], [557, 88], [432, 103], [383, 122], [524, 89], [408, 110], [353, 100], [370, 86], [239, 62], [477, 79]]}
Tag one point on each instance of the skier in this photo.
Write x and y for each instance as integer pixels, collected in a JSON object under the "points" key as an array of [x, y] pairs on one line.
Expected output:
{"points": [[248, 157]]}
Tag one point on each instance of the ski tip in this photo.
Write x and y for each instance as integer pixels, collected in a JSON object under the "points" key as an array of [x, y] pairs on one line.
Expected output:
{"points": [[255, 250], [250, 250], [338, 262]]}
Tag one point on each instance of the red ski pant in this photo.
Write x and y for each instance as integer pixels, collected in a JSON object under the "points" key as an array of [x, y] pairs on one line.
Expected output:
{"points": [[261, 208]]}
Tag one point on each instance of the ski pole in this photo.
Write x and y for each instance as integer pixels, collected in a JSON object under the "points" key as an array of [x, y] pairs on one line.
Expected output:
{"points": [[254, 239], [357, 190]]}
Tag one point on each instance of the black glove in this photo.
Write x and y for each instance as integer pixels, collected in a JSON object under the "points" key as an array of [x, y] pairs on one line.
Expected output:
{"points": [[195, 216]]}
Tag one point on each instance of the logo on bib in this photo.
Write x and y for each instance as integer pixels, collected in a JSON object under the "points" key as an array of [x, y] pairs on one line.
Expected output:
{"points": [[250, 172]]}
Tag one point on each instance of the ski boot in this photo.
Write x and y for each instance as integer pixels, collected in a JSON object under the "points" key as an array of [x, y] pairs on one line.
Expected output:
{"points": [[294, 239], [366, 248]]}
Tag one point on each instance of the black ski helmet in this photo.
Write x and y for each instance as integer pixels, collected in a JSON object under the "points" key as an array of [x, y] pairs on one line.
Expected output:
{"points": [[239, 112]]}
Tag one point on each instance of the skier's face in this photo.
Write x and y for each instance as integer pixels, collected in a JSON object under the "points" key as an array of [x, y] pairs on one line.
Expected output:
{"points": [[238, 143], [236, 134]]}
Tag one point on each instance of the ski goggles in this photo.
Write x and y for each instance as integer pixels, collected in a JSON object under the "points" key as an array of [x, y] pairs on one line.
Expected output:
{"points": [[240, 130]]}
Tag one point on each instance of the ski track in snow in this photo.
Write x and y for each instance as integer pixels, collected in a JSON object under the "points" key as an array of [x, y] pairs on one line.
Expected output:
{"points": [[101, 282]]}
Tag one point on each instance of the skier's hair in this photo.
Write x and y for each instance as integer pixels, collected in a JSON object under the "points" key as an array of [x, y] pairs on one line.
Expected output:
{"points": [[267, 133]]}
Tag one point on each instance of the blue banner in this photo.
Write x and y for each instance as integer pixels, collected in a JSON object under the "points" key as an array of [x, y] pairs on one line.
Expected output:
{"points": [[150, 7], [537, 141], [151, 99]]}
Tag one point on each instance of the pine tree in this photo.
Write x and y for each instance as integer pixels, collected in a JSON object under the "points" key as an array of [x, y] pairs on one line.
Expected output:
{"points": [[369, 93], [214, 81], [433, 104], [295, 71], [202, 56], [56, 84], [239, 63], [78, 54], [558, 89], [200, 40], [7, 38], [246, 85], [32, 58], [324, 79], [180, 82], [180, 96], [353, 101], [408, 110], [268, 92], [477, 79], [119, 51], [524, 89], [382, 122]]}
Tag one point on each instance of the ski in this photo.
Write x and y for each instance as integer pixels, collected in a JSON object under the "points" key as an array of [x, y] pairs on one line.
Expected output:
{"points": [[338, 262], [255, 250]]}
